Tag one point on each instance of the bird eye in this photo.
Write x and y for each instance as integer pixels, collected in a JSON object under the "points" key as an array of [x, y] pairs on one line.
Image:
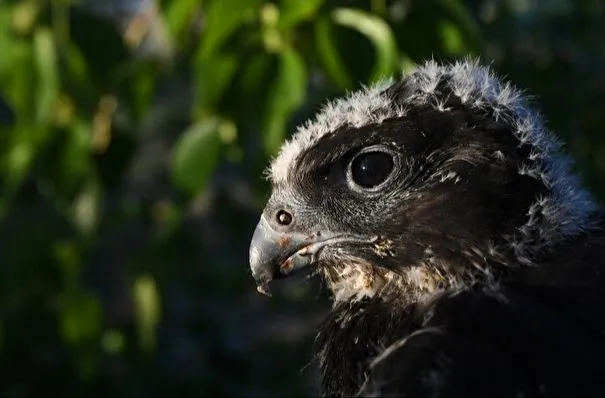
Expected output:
{"points": [[370, 169]]}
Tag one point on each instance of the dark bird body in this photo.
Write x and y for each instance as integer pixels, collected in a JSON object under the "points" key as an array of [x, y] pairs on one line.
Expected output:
{"points": [[521, 341], [464, 256]]}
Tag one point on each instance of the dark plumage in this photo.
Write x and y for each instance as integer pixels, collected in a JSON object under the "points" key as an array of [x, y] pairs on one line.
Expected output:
{"points": [[464, 256]]}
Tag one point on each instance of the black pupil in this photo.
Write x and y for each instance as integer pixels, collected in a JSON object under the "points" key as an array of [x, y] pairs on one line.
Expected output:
{"points": [[371, 168]]}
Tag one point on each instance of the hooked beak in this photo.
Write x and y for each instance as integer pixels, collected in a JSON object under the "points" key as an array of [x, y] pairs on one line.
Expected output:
{"points": [[274, 254]]}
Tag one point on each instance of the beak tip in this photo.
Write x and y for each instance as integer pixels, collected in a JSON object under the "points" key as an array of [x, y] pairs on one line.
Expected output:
{"points": [[269, 248], [259, 272], [263, 288]]}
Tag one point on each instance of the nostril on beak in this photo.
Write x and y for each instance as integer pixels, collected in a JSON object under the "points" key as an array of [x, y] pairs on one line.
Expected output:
{"points": [[284, 218]]}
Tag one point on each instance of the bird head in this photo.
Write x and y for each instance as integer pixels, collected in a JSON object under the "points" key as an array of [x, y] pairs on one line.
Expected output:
{"points": [[438, 180]]}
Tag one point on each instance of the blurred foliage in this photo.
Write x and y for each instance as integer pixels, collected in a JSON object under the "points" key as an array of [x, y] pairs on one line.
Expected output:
{"points": [[133, 135]]}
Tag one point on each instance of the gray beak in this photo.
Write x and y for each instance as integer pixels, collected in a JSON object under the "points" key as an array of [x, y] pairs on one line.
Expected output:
{"points": [[276, 254]]}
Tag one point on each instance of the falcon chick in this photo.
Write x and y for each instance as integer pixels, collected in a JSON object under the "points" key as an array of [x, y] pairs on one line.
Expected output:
{"points": [[463, 254]]}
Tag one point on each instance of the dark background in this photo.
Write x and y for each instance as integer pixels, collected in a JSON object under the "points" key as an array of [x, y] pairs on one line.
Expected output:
{"points": [[133, 136]]}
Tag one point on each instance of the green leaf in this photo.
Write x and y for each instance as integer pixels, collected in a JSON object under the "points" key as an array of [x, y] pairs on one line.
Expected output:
{"points": [[195, 155], [113, 341], [213, 75], [293, 12], [85, 209], [258, 71], [453, 42], [74, 160], [144, 80], [25, 14], [69, 256], [287, 93], [81, 316], [329, 56], [378, 32], [6, 41], [75, 65], [465, 20], [18, 80], [147, 305], [45, 57], [256, 74], [179, 14], [222, 18], [18, 162]]}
